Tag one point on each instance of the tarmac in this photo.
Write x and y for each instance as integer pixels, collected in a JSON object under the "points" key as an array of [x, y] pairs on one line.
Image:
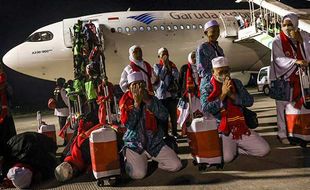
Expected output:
{"points": [[286, 167]]}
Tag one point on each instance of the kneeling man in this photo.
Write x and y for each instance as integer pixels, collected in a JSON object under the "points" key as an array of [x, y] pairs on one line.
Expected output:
{"points": [[143, 139], [224, 98]]}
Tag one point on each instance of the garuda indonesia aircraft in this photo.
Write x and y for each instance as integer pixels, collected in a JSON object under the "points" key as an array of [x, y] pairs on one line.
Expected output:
{"points": [[47, 52]]}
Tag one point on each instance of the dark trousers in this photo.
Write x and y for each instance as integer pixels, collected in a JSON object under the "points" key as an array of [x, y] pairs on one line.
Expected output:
{"points": [[62, 121], [7, 130], [171, 105]]}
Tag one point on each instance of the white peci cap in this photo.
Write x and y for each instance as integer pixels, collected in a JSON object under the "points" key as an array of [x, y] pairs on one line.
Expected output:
{"points": [[219, 62]]}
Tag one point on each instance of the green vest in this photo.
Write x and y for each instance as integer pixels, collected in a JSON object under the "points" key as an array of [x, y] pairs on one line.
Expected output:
{"points": [[90, 90], [78, 86]]}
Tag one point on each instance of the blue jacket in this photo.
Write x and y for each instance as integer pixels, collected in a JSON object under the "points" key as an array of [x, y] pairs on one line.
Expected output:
{"points": [[243, 98], [204, 55], [137, 138], [165, 80]]}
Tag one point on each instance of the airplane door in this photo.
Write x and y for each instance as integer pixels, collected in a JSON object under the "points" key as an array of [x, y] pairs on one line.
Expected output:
{"points": [[230, 26], [68, 32]]}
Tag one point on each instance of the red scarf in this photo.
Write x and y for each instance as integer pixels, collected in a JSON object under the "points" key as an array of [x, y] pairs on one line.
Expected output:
{"points": [[232, 118], [4, 99], [190, 81], [126, 105], [76, 157], [294, 79], [135, 68]]}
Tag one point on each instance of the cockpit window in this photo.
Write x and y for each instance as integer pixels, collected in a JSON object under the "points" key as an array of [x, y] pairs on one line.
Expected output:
{"points": [[40, 36]]}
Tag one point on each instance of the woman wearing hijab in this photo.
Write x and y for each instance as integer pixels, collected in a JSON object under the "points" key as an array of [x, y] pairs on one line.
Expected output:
{"points": [[290, 49], [189, 82]]}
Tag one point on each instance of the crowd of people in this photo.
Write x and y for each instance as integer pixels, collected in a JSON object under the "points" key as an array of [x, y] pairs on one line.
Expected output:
{"points": [[151, 96]]}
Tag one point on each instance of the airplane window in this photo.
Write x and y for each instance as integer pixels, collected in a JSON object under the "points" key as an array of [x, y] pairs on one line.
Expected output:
{"points": [[119, 29], [127, 29], [194, 27], [188, 27], [134, 29], [141, 28], [162, 27], [181, 27], [200, 26], [168, 27], [155, 28], [41, 36], [148, 28], [175, 27]]}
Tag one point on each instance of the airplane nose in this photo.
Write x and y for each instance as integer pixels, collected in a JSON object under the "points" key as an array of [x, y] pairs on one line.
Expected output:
{"points": [[10, 59]]}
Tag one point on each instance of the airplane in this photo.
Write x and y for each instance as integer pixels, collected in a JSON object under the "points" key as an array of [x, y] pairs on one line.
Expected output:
{"points": [[47, 52]]}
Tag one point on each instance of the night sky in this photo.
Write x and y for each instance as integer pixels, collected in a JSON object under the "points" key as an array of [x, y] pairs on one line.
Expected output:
{"points": [[20, 18]]}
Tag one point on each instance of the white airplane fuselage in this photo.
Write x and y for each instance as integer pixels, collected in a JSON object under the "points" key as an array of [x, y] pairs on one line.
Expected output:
{"points": [[179, 31]]}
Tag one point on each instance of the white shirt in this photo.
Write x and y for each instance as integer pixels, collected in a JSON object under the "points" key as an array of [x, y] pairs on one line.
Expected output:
{"points": [[123, 83], [63, 112]]}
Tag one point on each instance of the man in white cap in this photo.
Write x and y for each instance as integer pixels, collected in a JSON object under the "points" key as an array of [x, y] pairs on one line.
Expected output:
{"points": [[137, 64], [143, 139], [168, 88], [64, 172], [290, 49], [224, 98], [30, 158], [208, 50], [20, 176]]}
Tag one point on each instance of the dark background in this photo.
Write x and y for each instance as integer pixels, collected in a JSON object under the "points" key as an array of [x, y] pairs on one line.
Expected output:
{"points": [[20, 18]]}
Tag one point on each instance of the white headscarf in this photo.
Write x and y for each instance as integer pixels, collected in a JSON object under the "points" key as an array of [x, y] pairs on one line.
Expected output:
{"points": [[293, 18], [161, 50], [131, 58], [189, 58], [21, 177], [194, 66]]}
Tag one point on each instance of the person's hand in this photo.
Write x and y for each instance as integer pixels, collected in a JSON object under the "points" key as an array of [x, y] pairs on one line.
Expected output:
{"points": [[296, 35], [137, 93], [302, 63], [226, 87], [166, 61], [190, 89], [146, 97]]}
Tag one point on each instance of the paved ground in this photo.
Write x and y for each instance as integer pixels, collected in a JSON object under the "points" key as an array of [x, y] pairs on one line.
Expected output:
{"points": [[286, 167]]}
